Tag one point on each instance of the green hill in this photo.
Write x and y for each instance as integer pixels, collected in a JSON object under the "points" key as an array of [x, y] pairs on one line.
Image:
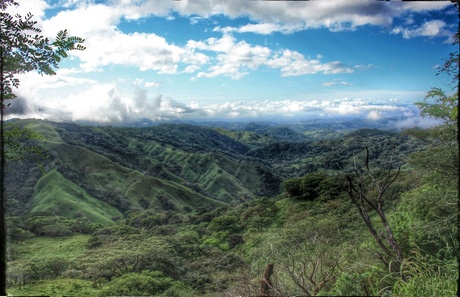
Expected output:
{"points": [[54, 193], [175, 167], [181, 210]]}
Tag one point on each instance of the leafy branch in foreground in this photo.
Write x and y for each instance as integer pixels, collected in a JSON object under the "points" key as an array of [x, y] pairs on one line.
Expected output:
{"points": [[444, 108], [16, 142], [23, 49]]}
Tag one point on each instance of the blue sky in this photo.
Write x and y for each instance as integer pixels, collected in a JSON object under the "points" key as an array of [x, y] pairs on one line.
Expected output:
{"points": [[239, 59]]}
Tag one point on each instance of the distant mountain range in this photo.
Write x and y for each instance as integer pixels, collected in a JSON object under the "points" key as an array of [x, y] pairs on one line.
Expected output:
{"points": [[104, 172]]}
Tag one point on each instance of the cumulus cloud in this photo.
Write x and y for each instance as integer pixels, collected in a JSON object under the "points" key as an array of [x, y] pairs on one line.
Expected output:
{"points": [[292, 63], [298, 15], [397, 115], [151, 84], [101, 103], [433, 28], [236, 58], [270, 16], [232, 57], [35, 7], [106, 103], [107, 45], [224, 56]]}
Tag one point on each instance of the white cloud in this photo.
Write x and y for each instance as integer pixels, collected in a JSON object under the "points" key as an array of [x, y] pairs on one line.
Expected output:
{"points": [[270, 16], [329, 83], [364, 67], [106, 103], [35, 7], [298, 15], [34, 85], [151, 84], [233, 58], [106, 45], [263, 28], [103, 103], [433, 28], [236, 58], [309, 109], [224, 56], [292, 63], [374, 115]]}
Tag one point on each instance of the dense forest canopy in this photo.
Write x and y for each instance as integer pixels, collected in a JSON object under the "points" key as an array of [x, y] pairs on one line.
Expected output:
{"points": [[165, 216]]}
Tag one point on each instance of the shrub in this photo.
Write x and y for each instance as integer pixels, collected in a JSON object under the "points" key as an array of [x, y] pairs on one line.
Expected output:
{"points": [[309, 187], [138, 284]]}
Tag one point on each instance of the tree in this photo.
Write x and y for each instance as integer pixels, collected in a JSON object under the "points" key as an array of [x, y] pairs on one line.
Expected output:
{"points": [[367, 190], [23, 49], [444, 108], [309, 256], [442, 153], [309, 187], [143, 283]]}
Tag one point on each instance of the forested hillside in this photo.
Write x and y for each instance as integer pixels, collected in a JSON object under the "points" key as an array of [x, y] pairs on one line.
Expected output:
{"points": [[187, 210]]}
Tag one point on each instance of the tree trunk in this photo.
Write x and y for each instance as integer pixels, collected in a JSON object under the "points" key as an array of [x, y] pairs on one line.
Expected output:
{"points": [[266, 284]]}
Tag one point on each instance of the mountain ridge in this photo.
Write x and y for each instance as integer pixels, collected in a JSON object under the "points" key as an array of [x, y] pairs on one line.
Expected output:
{"points": [[182, 167]]}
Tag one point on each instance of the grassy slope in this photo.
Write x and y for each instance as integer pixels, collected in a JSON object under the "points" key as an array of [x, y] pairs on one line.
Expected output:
{"points": [[106, 176], [248, 138], [207, 170], [54, 192]]}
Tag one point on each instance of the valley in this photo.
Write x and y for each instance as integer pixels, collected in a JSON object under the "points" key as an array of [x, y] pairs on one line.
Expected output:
{"points": [[180, 209]]}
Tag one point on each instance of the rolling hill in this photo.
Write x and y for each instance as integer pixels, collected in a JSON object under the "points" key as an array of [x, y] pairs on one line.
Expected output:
{"points": [[107, 172]]}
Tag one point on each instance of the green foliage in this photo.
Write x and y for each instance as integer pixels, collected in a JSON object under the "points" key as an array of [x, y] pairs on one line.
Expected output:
{"points": [[224, 223], [18, 234], [444, 107], [216, 240], [43, 258], [19, 142], [49, 225], [167, 222], [60, 196], [23, 49], [259, 215], [55, 287], [130, 253], [293, 187], [311, 186], [428, 276], [441, 153], [427, 218], [150, 283], [40, 247]]}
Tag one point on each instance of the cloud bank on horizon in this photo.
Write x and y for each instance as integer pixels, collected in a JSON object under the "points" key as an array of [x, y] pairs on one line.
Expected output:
{"points": [[239, 59]]}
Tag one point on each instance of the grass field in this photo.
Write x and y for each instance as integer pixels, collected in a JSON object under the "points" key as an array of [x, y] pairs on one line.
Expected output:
{"points": [[56, 194]]}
